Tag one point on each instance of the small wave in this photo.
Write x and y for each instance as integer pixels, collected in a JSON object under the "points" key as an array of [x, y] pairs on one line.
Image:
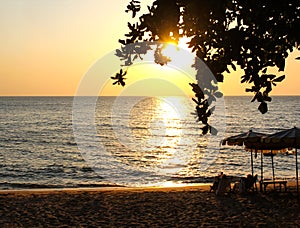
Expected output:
{"points": [[6, 185], [234, 164], [86, 169], [193, 180], [139, 128], [150, 157], [105, 125], [71, 143], [19, 186]]}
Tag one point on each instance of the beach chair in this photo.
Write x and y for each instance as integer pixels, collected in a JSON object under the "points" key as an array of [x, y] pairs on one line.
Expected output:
{"points": [[250, 183], [223, 186], [239, 187], [216, 182], [214, 187]]}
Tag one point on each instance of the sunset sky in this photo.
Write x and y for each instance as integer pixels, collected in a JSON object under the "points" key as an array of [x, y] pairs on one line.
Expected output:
{"points": [[47, 46]]}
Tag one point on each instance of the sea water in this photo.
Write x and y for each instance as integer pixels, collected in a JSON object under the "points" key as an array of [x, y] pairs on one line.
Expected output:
{"points": [[135, 141]]}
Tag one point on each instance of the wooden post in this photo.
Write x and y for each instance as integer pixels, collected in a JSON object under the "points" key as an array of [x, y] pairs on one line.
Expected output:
{"points": [[261, 171], [252, 163], [297, 171], [273, 168]]}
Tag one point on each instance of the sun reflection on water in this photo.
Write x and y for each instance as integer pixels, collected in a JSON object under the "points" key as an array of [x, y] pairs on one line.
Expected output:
{"points": [[158, 126], [172, 113], [153, 135]]}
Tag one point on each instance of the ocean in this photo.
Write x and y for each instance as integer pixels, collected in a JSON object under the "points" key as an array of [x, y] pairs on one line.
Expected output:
{"points": [[62, 142]]}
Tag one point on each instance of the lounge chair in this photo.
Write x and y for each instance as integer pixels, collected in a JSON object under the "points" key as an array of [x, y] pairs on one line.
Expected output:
{"points": [[223, 186], [215, 185], [250, 183], [245, 184]]}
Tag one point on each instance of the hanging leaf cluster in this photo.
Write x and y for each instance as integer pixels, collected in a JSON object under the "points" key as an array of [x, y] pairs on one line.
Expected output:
{"points": [[119, 78], [253, 35]]}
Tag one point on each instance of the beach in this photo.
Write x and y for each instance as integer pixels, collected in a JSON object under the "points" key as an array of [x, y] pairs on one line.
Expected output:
{"points": [[192, 206]]}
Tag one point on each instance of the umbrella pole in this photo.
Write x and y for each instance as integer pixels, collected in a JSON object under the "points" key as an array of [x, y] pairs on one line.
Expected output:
{"points": [[252, 163], [261, 170], [297, 172], [273, 168]]}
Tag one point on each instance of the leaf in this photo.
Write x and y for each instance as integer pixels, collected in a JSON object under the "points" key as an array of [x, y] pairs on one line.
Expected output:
{"points": [[254, 98], [197, 90], [218, 94], [204, 120], [244, 79], [211, 111], [269, 99], [118, 53], [205, 129], [131, 27], [195, 101], [281, 65], [269, 87], [233, 66], [219, 77], [267, 76], [211, 99], [135, 57], [259, 97], [271, 76], [213, 130], [122, 42], [263, 107], [279, 79]]}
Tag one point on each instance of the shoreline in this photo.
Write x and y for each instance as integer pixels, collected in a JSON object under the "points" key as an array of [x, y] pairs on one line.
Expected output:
{"points": [[192, 206], [291, 186], [200, 186]]}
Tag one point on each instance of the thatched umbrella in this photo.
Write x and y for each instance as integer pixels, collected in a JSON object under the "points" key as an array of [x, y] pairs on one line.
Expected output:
{"points": [[269, 151], [289, 138], [251, 140]]}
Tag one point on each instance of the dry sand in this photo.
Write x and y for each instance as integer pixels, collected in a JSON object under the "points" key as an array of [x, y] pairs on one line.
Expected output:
{"points": [[147, 207]]}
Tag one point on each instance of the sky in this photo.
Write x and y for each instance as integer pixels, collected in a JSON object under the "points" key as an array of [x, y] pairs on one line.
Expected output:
{"points": [[48, 46]]}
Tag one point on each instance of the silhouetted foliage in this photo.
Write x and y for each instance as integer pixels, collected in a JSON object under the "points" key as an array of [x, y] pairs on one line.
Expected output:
{"points": [[134, 7], [119, 77], [253, 34]]}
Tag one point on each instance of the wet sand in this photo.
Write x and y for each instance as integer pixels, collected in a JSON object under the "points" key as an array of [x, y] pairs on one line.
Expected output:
{"points": [[147, 207]]}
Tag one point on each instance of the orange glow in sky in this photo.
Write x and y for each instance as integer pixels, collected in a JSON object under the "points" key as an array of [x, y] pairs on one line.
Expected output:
{"points": [[47, 47]]}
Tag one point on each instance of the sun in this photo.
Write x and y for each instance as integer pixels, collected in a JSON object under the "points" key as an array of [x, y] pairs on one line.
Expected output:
{"points": [[179, 52], [173, 49]]}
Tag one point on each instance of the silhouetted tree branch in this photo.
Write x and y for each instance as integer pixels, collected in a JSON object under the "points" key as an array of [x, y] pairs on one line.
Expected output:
{"points": [[252, 34]]}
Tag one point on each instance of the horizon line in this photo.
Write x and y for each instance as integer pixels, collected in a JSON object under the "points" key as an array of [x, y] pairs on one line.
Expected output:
{"points": [[290, 95]]}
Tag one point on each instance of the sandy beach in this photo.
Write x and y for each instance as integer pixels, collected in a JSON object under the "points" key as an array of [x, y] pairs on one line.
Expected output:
{"points": [[147, 207]]}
